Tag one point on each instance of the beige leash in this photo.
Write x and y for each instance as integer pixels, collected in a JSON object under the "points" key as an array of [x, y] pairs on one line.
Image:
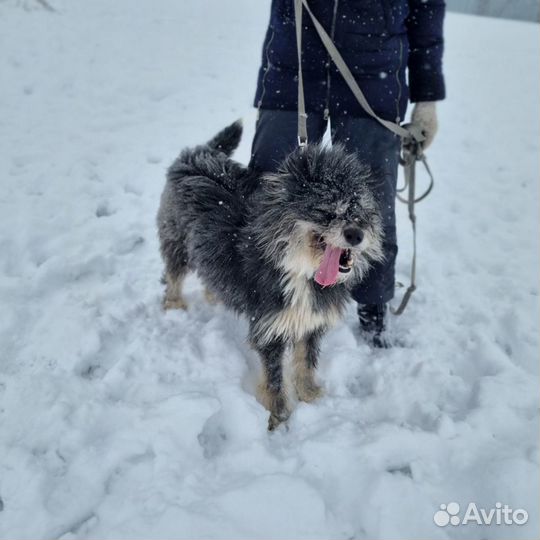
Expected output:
{"points": [[411, 138]]}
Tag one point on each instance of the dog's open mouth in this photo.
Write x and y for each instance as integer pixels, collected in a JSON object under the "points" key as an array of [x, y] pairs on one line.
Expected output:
{"points": [[345, 261], [335, 260]]}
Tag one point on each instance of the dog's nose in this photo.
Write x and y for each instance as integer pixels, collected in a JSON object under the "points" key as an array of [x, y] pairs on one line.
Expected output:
{"points": [[353, 234]]}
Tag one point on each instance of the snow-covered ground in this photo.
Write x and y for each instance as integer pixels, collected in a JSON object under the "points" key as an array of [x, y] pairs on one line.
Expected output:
{"points": [[120, 421]]}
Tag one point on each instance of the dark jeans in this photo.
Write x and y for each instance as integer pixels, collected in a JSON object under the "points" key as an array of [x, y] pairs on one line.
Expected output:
{"points": [[276, 136]]}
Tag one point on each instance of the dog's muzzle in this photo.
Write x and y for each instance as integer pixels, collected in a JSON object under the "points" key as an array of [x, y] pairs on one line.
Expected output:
{"points": [[336, 260], [345, 260]]}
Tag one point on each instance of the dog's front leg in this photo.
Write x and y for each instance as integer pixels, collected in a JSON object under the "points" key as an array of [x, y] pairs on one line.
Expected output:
{"points": [[305, 357], [271, 390]]}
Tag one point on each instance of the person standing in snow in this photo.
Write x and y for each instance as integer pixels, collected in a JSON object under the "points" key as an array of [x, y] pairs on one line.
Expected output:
{"points": [[379, 40]]}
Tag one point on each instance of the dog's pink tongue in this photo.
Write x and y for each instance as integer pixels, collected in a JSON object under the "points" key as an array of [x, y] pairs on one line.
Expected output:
{"points": [[328, 270]]}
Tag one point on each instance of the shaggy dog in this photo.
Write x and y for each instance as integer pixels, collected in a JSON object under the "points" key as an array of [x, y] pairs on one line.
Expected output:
{"points": [[283, 249]]}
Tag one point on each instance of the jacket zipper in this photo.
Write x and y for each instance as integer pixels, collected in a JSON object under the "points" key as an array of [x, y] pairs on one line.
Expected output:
{"points": [[328, 62], [400, 89]]}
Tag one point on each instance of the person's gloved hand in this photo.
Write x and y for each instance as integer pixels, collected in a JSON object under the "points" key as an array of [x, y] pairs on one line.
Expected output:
{"points": [[424, 116]]}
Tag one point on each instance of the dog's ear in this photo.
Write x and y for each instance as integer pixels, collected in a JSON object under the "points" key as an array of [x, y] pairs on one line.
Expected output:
{"points": [[298, 165], [274, 185]]}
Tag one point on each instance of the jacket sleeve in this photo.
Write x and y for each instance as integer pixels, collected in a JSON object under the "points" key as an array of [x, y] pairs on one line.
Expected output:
{"points": [[426, 43]]}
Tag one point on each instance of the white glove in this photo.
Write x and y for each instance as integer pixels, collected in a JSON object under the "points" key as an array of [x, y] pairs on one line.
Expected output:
{"points": [[424, 116]]}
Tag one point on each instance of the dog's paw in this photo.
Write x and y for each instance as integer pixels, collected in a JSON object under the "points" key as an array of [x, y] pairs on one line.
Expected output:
{"points": [[307, 390], [276, 403], [275, 420], [178, 303]]}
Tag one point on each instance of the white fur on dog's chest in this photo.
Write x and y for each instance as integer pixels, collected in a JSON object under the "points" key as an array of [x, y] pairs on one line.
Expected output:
{"points": [[299, 317]]}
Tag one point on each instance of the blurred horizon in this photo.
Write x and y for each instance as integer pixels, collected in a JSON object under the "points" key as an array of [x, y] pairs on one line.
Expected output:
{"points": [[524, 10]]}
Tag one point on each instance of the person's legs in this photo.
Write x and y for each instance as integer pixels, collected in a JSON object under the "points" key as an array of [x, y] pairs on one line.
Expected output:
{"points": [[276, 136], [379, 148]]}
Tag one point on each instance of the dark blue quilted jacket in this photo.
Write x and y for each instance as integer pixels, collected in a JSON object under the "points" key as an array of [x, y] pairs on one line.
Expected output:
{"points": [[378, 40]]}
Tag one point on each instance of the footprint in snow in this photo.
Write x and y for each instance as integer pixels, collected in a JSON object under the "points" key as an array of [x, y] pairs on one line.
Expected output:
{"points": [[103, 210], [213, 437]]}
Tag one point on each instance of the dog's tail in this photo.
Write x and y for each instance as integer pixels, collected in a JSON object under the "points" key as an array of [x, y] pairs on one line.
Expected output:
{"points": [[211, 160], [228, 139]]}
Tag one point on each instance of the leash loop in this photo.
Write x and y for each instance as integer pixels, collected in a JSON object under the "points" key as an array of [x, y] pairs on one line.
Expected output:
{"points": [[411, 152]]}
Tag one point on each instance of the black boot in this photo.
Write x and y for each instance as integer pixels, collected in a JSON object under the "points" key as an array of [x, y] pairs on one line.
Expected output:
{"points": [[373, 324]]}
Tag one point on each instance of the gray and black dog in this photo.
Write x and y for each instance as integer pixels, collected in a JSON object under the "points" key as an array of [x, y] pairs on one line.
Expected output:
{"points": [[283, 249]]}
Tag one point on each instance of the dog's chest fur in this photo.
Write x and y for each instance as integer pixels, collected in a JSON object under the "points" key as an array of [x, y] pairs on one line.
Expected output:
{"points": [[302, 313]]}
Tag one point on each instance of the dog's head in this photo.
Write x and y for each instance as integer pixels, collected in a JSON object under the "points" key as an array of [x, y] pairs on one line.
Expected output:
{"points": [[323, 221]]}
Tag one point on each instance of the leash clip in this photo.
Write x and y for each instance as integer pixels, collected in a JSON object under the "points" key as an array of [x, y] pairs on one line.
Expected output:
{"points": [[302, 142]]}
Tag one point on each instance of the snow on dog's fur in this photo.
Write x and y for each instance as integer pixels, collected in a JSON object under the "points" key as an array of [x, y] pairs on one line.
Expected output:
{"points": [[283, 249]]}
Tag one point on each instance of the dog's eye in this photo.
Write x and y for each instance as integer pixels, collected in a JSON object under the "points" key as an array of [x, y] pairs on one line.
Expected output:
{"points": [[331, 217], [323, 215]]}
